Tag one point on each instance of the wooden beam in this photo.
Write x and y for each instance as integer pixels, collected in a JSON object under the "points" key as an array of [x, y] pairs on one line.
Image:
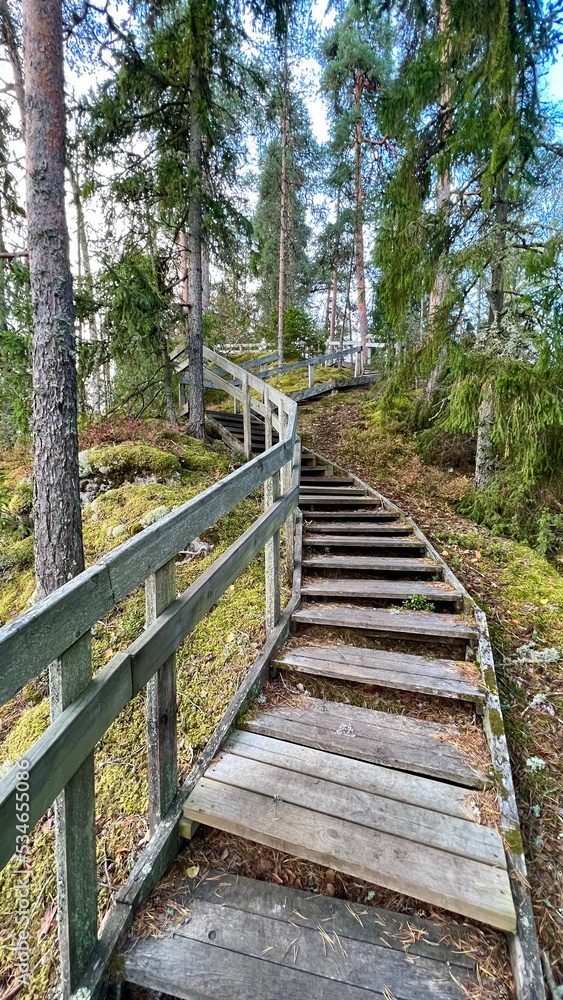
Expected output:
{"points": [[160, 591]]}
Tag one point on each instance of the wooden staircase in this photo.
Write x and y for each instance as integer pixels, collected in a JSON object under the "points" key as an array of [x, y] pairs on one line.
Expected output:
{"points": [[384, 794]]}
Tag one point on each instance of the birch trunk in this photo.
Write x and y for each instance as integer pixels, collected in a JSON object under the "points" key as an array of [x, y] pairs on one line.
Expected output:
{"points": [[196, 417], [58, 525]]}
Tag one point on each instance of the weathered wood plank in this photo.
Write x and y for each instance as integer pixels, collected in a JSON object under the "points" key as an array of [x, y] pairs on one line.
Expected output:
{"points": [[350, 735], [272, 548], [286, 782], [160, 591], [333, 491], [40, 635], [362, 503], [192, 973], [399, 785], [440, 678], [375, 564], [356, 963], [470, 888], [75, 829], [355, 528], [388, 590], [417, 623], [362, 542], [349, 920], [370, 516]]}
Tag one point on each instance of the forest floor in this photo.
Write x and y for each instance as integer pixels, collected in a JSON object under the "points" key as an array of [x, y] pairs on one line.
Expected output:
{"points": [[522, 595]]}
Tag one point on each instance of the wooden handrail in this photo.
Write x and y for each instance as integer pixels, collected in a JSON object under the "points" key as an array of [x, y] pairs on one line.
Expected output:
{"points": [[59, 765]]}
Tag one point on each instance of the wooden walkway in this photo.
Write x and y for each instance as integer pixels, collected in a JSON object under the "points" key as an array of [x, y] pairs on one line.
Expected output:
{"points": [[385, 796]]}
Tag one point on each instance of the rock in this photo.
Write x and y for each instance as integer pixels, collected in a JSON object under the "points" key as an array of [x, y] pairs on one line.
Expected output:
{"points": [[154, 515], [196, 549]]}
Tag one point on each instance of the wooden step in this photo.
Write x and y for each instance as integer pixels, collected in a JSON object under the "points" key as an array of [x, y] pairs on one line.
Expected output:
{"points": [[334, 491], [395, 741], [372, 564], [380, 590], [316, 481], [356, 528], [397, 671], [359, 516], [244, 939], [441, 860], [318, 501], [418, 624], [362, 541]]}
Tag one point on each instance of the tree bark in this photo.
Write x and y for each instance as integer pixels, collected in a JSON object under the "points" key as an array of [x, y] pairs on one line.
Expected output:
{"points": [[58, 525], [283, 205], [9, 38], [496, 294], [196, 417], [485, 459], [359, 221], [443, 186]]}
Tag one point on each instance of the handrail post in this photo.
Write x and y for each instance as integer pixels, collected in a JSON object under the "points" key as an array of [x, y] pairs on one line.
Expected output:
{"points": [[160, 591], [311, 374], [286, 480], [75, 830], [272, 547], [246, 415]]}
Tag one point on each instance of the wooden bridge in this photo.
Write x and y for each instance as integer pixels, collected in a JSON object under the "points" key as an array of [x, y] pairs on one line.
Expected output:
{"points": [[391, 795]]}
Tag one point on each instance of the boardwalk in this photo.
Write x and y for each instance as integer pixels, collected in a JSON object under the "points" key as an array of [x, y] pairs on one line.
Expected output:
{"points": [[386, 796]]}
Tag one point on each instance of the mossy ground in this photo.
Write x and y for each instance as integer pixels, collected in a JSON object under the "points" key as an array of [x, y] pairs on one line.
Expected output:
{"points": [[522, 594], [210, 665]]}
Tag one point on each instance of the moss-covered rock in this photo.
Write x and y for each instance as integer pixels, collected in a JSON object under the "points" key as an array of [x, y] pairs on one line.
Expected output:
{"points": [[126, 461], [16, 555]]}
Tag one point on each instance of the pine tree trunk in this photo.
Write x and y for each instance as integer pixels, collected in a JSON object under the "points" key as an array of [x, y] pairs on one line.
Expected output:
{"points": [[84, 252], [283, 206], [9, 39], [496, 294], [196, 417], [359, 224], [443, 186], [485, 459], [58, 525]]}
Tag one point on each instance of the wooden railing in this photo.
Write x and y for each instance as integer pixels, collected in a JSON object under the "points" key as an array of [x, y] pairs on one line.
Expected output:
{"points": [[59, 767], [351, 353]]}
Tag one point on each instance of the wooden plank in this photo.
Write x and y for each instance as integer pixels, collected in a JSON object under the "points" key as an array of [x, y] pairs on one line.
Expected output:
{"points": [[410, 788], [375, 564], [334, 491], [362, 541], [360, 502], [377, 590], [272, 547], [416, 623], [356, 963], [468, 887], [75, 829], [374, 516], [440, 678], [202, 972], [420, 754], [285, 781], [160, 591], [349, 920], [316, 479], [355, 528], [40, 635]]}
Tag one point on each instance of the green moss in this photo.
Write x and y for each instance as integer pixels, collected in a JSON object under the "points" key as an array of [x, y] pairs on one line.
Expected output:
{"points": [[513, 840], [17, 554], [495, 722], [21, 503], [25, 732], [124, 461], [298, 379]]}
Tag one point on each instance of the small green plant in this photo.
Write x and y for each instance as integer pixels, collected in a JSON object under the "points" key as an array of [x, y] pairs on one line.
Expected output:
{"points": [[417, 602]]}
